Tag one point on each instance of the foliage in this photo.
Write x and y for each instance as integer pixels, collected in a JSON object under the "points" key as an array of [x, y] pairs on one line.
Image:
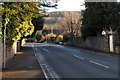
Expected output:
{"points": [[17, 19], [52, 39], [24, 29], [99, 16], [31, 39], [117, 44], [50, 35], [38, 37], [67, 37], [118, 30], [21, 19], [42, 38], [59, 38], [38, 25]]}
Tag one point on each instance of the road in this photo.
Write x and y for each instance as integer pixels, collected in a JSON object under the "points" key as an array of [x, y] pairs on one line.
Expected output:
{"points": [[69, 62]]}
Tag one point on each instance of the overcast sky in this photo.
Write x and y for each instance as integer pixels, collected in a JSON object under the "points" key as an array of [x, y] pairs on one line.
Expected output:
{"points": [[69, 5]]}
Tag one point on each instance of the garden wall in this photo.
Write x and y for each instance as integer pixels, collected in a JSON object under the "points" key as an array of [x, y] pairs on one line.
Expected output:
{"points": [[10, 51], [96, 43]]}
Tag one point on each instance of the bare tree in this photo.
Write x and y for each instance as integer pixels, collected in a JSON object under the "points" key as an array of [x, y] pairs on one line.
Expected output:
{"points": [[71, 23]]}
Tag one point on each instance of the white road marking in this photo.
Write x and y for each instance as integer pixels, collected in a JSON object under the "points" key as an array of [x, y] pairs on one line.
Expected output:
{"points": [[46, 50], [78, 57], [48, 71], [99, 64]]}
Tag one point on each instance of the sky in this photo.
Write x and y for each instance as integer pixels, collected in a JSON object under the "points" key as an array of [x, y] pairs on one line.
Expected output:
{"points": [[69, 5]]}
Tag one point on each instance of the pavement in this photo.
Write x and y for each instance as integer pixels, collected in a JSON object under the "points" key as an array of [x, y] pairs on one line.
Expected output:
{"points": [[23, 66]]}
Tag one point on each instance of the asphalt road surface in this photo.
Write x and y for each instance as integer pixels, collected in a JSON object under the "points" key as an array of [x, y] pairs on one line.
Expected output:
{"points": [[69, 62]]}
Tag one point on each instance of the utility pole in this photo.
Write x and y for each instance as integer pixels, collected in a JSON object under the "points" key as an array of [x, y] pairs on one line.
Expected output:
{"points": [[4, 38], [1, 45], [4, 43], [4, 51]]}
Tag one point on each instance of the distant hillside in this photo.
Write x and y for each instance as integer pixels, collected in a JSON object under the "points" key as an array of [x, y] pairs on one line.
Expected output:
{"points": [[51, 20], [55, 16], [59, 13]]}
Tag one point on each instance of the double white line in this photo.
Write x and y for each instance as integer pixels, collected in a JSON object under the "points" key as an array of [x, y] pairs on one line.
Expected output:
{"points": [[46, 50], [48, 72]]}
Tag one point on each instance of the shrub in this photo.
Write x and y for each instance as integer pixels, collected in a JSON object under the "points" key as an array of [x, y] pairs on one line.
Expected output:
{"points": [[117, 44], [67, 37], [38, 37]]}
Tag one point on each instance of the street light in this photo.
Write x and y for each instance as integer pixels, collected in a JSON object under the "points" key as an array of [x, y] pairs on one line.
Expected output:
{"points": [[4, 43]]}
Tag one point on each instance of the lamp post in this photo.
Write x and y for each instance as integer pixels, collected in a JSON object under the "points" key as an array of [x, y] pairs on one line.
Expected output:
{"points": [[4, 54], [4, 43], [1, 45]]}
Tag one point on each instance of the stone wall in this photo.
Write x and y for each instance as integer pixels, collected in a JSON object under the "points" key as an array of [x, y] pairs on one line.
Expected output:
{"points": [[117, 49], [10, 51], [96, 43], [79, 42]]}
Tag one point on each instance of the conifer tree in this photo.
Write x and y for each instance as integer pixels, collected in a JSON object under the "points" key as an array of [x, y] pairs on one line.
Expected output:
{"points": [[99, 16]]}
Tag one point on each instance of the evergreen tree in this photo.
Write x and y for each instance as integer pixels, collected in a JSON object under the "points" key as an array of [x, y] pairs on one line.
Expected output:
{"points": [[99, 16], [17, 18]]}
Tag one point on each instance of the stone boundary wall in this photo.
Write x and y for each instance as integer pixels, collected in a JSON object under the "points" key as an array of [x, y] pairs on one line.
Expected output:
{"points": [[96, 43], [10, 51]]}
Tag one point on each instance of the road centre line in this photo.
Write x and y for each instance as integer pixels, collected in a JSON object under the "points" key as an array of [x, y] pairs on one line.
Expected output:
{"points": [[99, 64], [78, 57], [91, 61]]}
